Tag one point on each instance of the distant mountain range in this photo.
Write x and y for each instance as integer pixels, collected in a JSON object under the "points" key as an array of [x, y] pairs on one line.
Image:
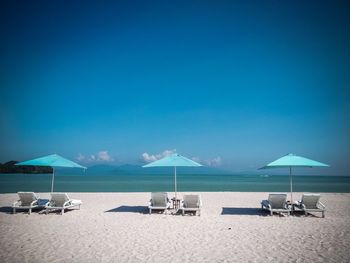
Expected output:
{"points": [[11, 167]]}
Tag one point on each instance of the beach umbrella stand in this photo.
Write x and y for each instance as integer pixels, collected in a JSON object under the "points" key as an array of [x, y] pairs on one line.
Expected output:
{"points": [[53, 161], [292, 161], [173, 160]]}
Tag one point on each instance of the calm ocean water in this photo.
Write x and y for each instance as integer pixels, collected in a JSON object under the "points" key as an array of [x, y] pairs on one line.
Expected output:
{"points": [[11, 183]]}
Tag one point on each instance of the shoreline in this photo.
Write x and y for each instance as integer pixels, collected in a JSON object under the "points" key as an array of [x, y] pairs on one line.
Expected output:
{"points": [[116, 227], [154, 183]]}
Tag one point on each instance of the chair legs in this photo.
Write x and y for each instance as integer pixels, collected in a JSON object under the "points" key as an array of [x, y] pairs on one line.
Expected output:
{"points": [[29, 211], [307, 213], [197, 212]]}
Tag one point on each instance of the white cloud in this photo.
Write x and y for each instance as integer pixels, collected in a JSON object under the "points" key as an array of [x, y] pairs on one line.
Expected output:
{"points": [[215, 162], [101, 156], [104, 156], [80, 157], [146, 157]]}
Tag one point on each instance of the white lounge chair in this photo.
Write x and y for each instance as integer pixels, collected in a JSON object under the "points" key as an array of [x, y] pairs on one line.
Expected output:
{"points": [[310, 203], [159, 201], [276, 203], [61, 201], [192, 203], [28, 200]]}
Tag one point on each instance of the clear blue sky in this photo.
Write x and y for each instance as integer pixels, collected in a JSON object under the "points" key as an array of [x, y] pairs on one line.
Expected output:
{"points": [[233, 83]]}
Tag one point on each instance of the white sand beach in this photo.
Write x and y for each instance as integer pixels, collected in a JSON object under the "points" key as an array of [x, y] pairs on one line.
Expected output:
{"points": [[116, 227]]}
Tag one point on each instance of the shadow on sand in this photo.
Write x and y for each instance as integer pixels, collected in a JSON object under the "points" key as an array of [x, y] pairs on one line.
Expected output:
{"points": [[302, 214], [9, 210], [6, 209], [242, 211], [130, 209], [258, 212]]}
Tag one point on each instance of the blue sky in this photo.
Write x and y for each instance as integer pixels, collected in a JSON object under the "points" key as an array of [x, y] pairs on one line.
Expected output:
{"points": [[234, 84]]}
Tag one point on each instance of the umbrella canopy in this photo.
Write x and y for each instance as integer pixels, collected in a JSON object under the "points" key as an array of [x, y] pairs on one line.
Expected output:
{"points": [[174, 160], [53, 160], [292, 160]]}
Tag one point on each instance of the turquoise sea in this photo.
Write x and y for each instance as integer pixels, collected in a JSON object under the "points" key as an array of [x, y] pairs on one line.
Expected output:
{"points": [[11, 183]]}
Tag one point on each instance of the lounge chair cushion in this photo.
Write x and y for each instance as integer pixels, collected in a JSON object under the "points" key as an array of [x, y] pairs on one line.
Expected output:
{"points": [[61, 201], [191, 201], [310, 203], [276, 203], [159, 200], [28, 200]]}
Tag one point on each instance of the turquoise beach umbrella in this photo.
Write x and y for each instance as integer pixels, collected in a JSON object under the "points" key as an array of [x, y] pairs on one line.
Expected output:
{"points": [[292, 160], [174, 160], [53, 160]]}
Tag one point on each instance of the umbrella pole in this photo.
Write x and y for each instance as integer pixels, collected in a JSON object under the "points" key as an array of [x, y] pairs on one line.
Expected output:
{"points": [[175, 182], [53, 178], [291, 184]]}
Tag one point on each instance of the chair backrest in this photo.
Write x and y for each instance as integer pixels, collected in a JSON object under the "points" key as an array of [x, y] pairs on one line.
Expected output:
{"points": [[191, 201], [58, 199], [27, 198], [310, 200], [277, 201], [159, 199]]}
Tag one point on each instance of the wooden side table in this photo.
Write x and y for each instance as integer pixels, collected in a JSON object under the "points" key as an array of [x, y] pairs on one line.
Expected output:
{"points": [[176, 203]]}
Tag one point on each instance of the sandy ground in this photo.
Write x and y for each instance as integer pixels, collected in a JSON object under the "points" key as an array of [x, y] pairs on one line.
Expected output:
{"points": [[116, 227]]}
